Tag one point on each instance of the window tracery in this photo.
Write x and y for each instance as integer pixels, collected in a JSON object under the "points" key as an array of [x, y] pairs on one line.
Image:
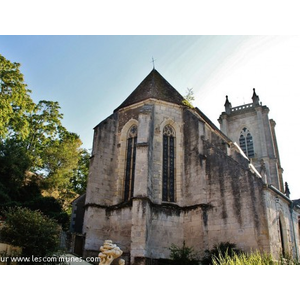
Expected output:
{"points": [[130, 162], [168, 193], [246, 142]]}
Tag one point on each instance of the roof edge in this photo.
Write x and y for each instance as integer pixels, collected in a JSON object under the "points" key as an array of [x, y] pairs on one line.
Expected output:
{"points": [[153, 86]]}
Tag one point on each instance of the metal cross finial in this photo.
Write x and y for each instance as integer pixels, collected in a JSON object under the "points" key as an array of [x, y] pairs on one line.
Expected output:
{"points": [[153, 62]]}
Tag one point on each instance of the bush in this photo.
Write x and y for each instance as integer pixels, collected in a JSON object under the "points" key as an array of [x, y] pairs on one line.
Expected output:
{"points": [[183, 255], [254, 258], [37, 234], [51, 208], [221, 249]]}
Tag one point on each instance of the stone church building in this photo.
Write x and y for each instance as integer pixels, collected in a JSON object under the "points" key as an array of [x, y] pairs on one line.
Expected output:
{"points": [[162, 173]]}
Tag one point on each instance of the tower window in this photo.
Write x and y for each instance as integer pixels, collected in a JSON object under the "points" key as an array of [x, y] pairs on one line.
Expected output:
{"points": [[168, 164], [130, 162], [246, 142]]}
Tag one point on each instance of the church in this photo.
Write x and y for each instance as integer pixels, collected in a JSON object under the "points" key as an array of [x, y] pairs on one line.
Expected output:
{"points": [[162, 173]]}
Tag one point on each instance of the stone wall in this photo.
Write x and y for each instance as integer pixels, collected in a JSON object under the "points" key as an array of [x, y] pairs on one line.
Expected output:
{"points": [[103, 163], [218, 199], [279, 208], [235, 209], [104, 223], [238, 214], [255, 119], [166, 114]]}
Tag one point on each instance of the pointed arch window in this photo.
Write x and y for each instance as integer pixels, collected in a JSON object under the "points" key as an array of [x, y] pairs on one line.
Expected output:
{"points": [[168, 193], [246, 142], [281, 238], [130, 162]]}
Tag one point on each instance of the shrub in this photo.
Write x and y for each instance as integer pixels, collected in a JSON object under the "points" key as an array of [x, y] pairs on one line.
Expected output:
{"points": [[183, 255], [51, 208], [37, 234], [221, 249], [254, 258]]}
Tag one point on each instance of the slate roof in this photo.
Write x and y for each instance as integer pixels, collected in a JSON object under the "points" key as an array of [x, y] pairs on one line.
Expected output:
{"points": [[153, 86]]}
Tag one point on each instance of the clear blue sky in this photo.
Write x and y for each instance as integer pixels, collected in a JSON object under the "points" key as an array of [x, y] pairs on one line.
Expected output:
{"points": [[91, 75]]}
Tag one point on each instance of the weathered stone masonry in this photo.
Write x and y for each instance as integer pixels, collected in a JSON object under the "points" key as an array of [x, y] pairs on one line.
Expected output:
{"points": [[218, 198]]}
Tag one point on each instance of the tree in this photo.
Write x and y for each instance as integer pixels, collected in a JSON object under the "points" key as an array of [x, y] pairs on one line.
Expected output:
{"points": [[36, 129], [38, 156], [78, 181], [189, 98], [54, 151], [37, 234], [14, 163], [15, 102], [45, 127], [60, 158], [50, 207], [18, 187]]}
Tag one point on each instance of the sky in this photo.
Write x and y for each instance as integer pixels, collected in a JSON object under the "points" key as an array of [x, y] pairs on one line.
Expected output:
{"points": [[91, 75]]}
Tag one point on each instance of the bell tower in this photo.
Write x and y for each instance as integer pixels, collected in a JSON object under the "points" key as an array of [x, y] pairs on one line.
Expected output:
{"points": [[250, 127]]}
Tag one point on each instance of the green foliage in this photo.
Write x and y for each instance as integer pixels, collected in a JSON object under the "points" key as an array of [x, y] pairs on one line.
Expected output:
{"points": [[18, 187], [232, 256], [183, 255], [45, 129], [287, 259], [228, 249], [46, 120], [38, 156], [189, 98], [14, 162], [50, 207], [39, 159], [15, 102], [254, 258], [55, 152], [59, 161], [78, 181], [37, 234]]}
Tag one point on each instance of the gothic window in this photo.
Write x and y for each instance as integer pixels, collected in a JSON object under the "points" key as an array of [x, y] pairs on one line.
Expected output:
{"points": [[168, 192], [130, 162], [246, 142], [281, 238]]}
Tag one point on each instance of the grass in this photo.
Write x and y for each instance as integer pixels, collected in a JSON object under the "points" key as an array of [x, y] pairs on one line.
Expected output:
{"points": [[253, 258]]}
